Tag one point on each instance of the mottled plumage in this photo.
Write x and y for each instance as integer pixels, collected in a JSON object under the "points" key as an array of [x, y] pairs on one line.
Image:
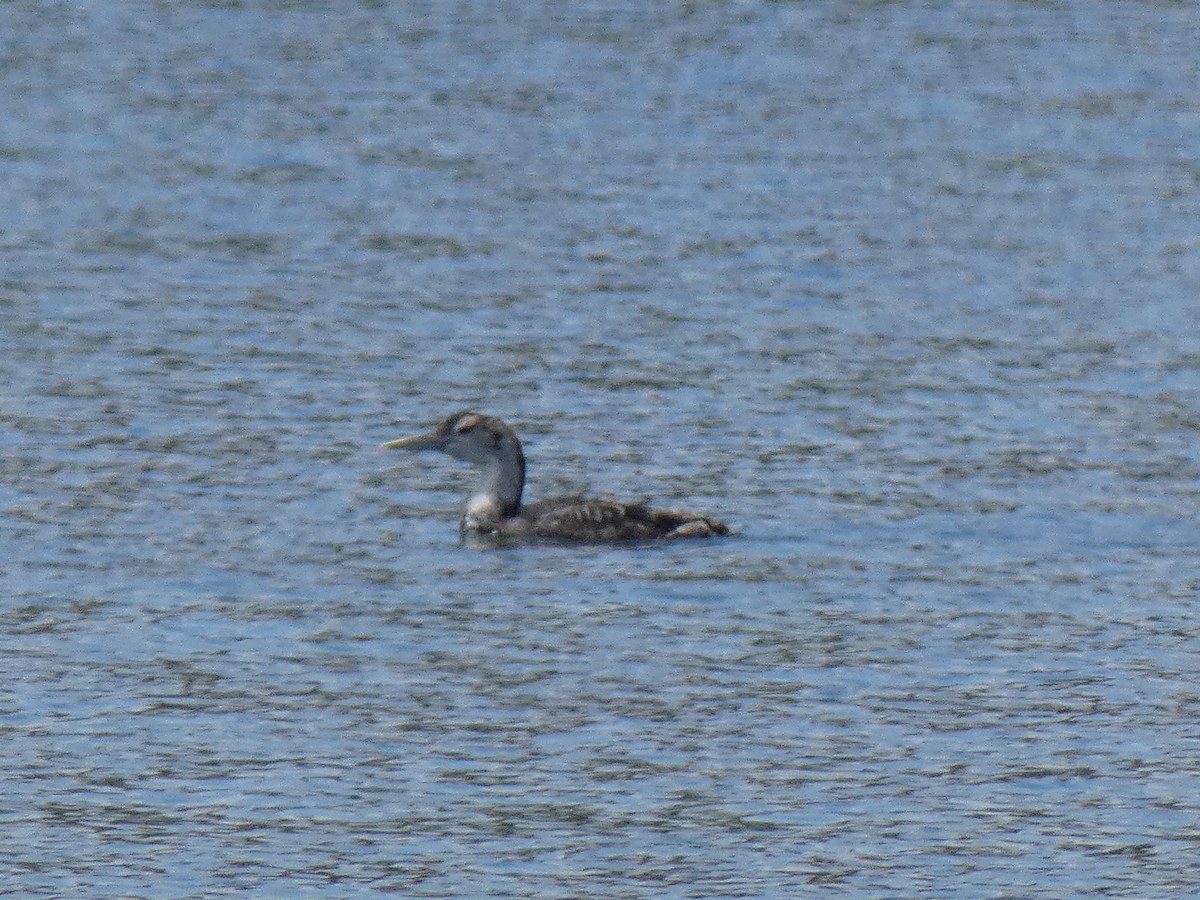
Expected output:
{"points": [[496, 509]]}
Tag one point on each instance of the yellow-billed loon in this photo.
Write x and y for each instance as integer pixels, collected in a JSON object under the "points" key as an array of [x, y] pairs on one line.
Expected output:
{"points": [[496, 508]]}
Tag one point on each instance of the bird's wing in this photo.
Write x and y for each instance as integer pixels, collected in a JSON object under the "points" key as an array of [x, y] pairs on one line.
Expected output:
{"points": [[606, 519], [587, 519]]}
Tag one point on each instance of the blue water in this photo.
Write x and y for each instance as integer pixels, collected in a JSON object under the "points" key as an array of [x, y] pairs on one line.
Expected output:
{"points": [[907, 293]]}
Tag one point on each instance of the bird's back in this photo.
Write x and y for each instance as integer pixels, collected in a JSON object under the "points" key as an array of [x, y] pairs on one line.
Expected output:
{"points": [[587, 519]]}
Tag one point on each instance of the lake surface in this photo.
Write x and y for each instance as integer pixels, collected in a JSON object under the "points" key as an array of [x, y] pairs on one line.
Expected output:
{"points": [[908, 293]]}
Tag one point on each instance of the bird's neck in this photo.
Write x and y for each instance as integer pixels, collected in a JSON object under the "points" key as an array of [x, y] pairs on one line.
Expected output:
{"points": [[498, 496]]}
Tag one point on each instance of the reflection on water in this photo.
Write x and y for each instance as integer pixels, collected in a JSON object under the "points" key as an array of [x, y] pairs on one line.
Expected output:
{"points": [[903, 293]]}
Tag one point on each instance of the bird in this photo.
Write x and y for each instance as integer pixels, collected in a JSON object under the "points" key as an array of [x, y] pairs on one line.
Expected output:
{"points": [[496, 510]]}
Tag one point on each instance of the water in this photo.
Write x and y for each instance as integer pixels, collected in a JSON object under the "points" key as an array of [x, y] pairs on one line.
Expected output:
{"points": [[906, 292]]}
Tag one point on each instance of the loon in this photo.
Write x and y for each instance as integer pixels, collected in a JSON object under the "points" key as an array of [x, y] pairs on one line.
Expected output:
{"points": [[496, 508]]}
